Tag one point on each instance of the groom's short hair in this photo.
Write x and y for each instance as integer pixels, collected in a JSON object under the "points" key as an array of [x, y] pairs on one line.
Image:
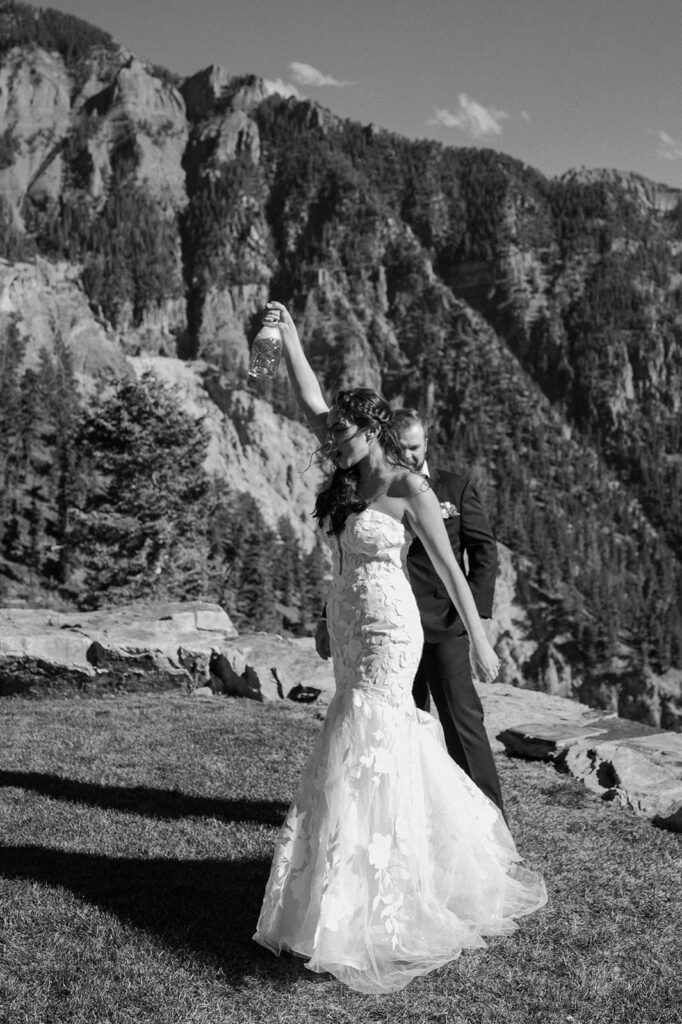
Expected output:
{"points": [[404, 418]]}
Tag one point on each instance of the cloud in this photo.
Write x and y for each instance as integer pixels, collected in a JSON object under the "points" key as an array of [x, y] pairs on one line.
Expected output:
{"points": [[668, 147], [472, 117], [285, 89], [306, 75]]}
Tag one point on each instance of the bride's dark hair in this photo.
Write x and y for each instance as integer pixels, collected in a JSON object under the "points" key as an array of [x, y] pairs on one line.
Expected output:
{"points": [[364, 408]]}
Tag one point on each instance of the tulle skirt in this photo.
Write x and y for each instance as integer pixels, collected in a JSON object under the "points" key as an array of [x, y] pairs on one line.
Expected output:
{"points": [[390, 861]]}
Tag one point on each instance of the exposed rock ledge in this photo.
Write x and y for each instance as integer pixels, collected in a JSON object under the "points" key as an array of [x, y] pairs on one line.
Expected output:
{"points": [[151, 647], [193, 647], [635, 764]]}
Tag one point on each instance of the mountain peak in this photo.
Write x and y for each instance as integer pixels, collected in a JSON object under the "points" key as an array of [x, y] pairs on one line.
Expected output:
{"points": [[213, 88]]}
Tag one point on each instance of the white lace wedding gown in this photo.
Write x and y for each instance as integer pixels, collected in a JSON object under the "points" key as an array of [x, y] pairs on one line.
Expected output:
{"points": [[390, 860]]}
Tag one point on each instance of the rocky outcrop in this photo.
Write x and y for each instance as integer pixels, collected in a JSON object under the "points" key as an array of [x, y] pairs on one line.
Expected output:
{"points": [[178, 646], [127, 649], [139, 105], [618, 759], [642, 772], [214, 89]]}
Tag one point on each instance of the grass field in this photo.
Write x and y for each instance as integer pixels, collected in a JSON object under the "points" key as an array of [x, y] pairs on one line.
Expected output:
{"points": [[136, 836]]}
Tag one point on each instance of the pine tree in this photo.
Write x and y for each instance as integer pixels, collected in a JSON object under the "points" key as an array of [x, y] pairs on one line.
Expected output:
{"points": [[12, 354], [315, 583], [243, 544], [141, 522]]}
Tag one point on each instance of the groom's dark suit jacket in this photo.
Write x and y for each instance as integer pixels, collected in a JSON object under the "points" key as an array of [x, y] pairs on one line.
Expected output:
{"points": [[469, 532]]}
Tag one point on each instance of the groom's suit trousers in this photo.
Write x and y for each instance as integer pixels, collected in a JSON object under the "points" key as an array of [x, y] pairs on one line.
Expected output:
{"points": [[444, 668], [445, 671]]}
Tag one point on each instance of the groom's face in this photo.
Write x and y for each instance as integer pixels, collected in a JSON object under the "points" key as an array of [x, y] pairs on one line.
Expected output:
{"points": [[413, 442]]}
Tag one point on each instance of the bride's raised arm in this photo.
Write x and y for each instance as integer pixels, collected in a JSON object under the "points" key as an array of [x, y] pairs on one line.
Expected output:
{"points": [[301, 374], [424, 515]]}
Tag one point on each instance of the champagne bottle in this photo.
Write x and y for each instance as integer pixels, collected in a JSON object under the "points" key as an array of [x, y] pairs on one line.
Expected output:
{"points": [[266, 352]]}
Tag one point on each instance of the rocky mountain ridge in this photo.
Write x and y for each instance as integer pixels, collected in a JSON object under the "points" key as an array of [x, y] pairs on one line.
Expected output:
{"points": [[535, 322]]}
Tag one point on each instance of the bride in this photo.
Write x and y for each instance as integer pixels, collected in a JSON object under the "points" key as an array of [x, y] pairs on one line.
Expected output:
{"points": [[390, 860]]}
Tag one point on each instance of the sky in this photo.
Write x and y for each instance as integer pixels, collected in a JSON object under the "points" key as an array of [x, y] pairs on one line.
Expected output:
{"points": [[558, 84]]}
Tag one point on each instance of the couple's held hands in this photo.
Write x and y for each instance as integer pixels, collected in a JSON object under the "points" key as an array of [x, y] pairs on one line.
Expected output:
{"points": [[485, 664]]}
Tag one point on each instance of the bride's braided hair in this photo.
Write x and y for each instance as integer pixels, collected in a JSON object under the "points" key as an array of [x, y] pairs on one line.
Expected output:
{"points": [[364, 408]]}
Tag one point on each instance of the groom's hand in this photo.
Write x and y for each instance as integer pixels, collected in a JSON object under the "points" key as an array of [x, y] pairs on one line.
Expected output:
{"points": [[322, 639]]}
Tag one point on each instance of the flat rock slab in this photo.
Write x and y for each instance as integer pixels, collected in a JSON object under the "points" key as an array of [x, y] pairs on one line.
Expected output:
{"points": [[509, 707], [131, 648], [551, 739], [635, 764]]}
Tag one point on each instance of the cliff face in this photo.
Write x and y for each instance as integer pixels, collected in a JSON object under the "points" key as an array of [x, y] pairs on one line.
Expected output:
{"points": [[35, 107], [537, 323], [46, 302], [43, 102]]}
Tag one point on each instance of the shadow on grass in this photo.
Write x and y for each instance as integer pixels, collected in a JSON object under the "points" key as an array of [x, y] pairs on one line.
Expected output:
{"points": [[207, 907], [153, 803]]}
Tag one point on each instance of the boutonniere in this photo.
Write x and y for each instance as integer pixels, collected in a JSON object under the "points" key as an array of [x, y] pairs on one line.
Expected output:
{"points": [[448, 510]]}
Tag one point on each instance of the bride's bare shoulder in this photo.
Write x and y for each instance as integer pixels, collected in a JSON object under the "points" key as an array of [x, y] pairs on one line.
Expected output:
{"points": [[407, 483]]}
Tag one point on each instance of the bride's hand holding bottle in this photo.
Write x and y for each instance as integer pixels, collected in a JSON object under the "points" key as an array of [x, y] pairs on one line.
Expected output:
{"points": [[302, 377], [277, 313]]}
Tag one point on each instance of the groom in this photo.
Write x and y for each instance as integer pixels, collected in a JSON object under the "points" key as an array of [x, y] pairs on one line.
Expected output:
{"points": [[444, 669]]}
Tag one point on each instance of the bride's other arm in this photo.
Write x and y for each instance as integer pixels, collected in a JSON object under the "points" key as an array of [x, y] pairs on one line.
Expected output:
{"points": [[303, 380], [424, 515]]}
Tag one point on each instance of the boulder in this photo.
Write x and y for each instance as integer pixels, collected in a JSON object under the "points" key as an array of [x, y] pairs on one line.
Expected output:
{"points": [[267, 667], [642, 772]]}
